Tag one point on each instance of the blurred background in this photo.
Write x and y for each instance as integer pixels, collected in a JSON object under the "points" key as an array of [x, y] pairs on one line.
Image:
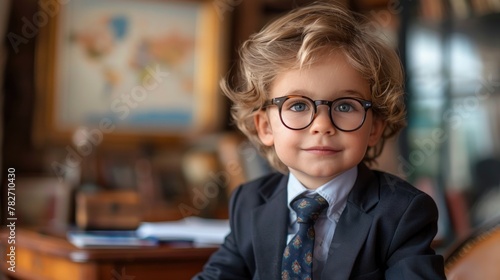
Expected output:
{"points": [[122, 97]]}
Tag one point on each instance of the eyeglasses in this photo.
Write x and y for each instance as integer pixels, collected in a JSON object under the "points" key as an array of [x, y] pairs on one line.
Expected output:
{"points": [[298, 112]]}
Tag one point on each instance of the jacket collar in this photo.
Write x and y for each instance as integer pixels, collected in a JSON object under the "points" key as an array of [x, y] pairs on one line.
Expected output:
{"points": [[365, 193], [270, 230], [353, 226]]}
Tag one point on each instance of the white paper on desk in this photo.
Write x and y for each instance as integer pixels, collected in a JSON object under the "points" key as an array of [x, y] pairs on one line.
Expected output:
{"points": [[198, 230]]}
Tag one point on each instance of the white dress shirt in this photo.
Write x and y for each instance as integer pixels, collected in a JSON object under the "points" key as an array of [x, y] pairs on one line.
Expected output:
{"points": [[335, 192]]}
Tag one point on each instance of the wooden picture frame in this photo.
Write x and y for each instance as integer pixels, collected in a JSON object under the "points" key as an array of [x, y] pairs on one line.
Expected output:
{"points": [[139, 71]]}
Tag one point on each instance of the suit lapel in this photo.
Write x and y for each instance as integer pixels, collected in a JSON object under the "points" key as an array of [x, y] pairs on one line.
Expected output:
{"points": [[349, 236], [353, 226], [270, 229]]}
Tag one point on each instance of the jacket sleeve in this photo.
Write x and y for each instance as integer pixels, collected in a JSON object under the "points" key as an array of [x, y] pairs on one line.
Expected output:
{"points": [[412, 256], [227, 262]]}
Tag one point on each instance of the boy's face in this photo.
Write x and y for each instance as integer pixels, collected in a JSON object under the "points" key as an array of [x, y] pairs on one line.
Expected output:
{"points": [[319, 152]]}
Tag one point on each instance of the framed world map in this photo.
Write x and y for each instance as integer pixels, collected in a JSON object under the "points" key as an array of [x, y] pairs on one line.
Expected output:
{"points": [[131, 69]]}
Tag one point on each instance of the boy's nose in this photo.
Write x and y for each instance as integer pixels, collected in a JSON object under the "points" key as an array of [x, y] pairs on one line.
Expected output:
{"points": [[322, 122]]}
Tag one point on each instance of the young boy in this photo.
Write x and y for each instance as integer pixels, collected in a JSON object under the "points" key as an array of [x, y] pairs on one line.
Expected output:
{"points": [[318, 95]]}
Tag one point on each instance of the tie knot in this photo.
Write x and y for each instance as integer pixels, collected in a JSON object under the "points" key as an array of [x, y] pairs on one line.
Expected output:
{"points": [[309, 208]]}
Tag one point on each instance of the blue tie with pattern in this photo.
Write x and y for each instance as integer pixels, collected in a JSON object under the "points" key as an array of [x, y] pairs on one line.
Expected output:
{"points": [[298, 255]]}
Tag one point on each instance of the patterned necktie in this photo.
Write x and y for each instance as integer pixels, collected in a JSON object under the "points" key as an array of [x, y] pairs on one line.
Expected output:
{"points": [[298, 255]]}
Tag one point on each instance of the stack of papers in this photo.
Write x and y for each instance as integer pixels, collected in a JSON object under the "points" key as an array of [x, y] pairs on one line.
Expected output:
{"points": [[197, 230], [112, 239]]}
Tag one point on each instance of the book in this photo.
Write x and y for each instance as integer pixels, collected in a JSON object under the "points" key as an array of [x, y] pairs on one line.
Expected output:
{"points": [[109, 239], [200, 231]]}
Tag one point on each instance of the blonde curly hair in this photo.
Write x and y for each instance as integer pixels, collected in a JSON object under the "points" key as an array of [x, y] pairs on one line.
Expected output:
{"points": [[300, 38]]}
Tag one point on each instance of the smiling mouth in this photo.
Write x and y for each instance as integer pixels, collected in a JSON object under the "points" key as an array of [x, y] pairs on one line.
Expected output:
{"points": [[322, 150]]}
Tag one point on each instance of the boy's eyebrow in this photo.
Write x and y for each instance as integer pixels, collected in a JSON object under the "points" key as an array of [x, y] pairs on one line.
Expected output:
{"points": [[337, 94], [354, 93]]}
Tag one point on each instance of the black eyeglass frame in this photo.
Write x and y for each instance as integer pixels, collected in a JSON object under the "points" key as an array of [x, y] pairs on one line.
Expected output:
{"points": [[279, 101]]}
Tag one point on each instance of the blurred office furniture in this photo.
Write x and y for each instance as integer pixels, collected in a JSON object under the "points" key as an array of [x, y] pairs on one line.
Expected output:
{"points": [[49, 256], [108, 210], [458, 207], [4, 16], [476, 256], [451, 54], [485, 202]]}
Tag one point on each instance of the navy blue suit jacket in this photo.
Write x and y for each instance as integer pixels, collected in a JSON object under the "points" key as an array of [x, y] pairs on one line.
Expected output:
{"points": [[385, 232]]}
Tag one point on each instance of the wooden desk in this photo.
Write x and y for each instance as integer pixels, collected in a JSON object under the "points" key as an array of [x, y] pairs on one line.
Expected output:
{"points": [[44, 256]]}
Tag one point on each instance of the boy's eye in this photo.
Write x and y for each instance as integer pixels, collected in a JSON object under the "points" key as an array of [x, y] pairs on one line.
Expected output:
{"points": [[345, 107], [298, 107]]}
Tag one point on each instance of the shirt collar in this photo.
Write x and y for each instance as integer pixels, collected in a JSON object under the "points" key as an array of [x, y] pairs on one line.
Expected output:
{"points": [[334, 191]]}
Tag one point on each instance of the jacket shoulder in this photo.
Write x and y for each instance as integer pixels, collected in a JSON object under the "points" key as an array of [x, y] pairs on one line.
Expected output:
{"points": [[398, 195], [265, 185], [394, 183]]}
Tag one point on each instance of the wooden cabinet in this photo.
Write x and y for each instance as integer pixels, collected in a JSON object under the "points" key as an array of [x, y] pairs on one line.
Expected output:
{"points": [[49, 256]]}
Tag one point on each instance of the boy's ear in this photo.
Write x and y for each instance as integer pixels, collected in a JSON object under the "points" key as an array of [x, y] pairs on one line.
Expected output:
{"points": [[264, 129], [378, 127]]}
